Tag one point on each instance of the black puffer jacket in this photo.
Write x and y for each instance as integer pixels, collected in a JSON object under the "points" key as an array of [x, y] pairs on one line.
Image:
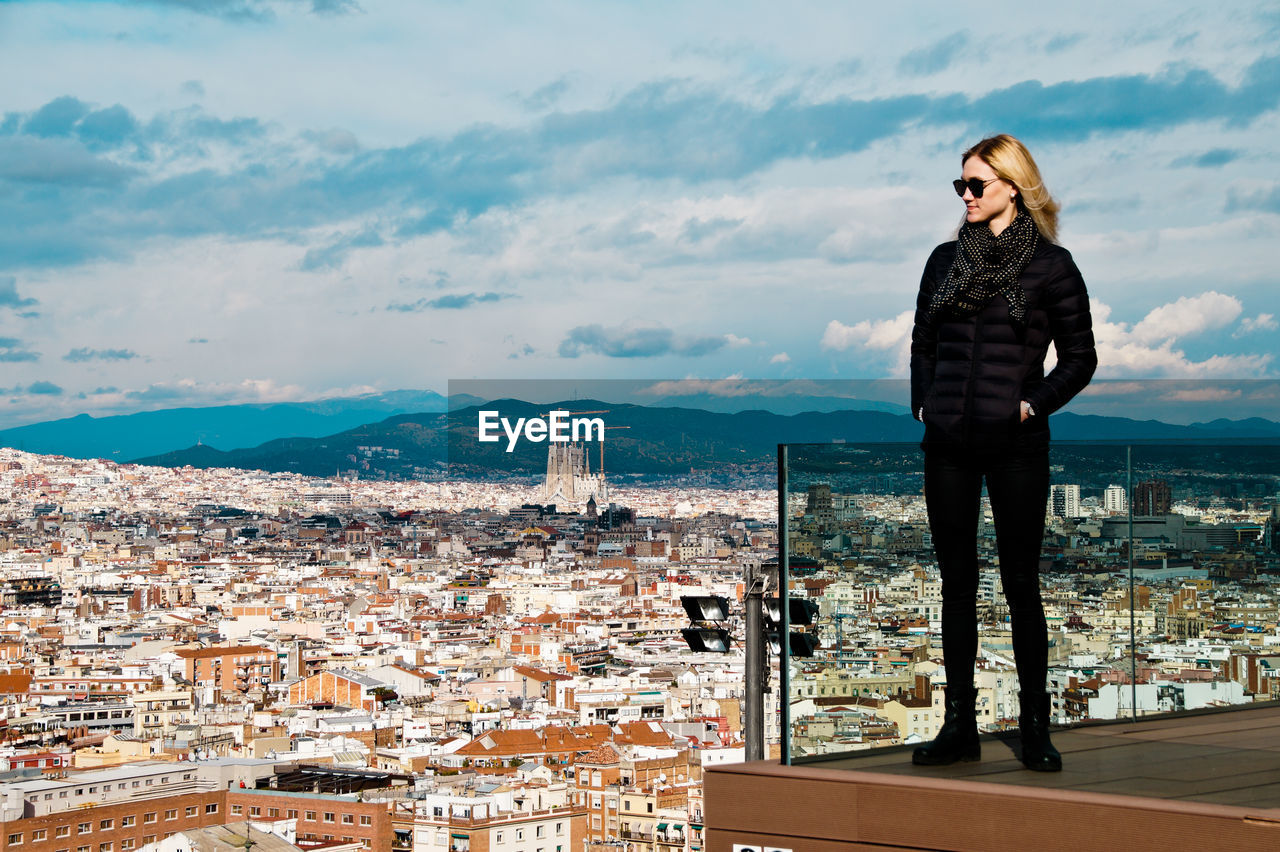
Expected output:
{"points": [[970, 374]]}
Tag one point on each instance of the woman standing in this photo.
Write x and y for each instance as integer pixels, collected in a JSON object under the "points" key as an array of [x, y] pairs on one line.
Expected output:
{"points": [[989, 305]]}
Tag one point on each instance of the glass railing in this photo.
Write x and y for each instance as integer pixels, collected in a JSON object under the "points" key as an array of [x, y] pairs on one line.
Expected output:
{"points": [[1170, 607]]}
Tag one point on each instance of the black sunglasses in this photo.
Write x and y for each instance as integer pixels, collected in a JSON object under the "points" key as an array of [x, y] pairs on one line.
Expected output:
{"points": [[974, 185]]}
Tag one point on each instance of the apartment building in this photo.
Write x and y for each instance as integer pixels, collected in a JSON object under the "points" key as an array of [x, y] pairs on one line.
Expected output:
{"points": [[321, 817], [236, 668], [111, 810], [492, 819]]}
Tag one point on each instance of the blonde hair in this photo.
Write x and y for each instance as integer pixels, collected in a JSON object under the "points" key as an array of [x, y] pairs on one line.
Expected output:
{"points": [[1011, 161]]}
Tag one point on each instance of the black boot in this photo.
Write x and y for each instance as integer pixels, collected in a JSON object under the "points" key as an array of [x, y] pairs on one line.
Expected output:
{"points": [[958, 739], [1037, 752]]}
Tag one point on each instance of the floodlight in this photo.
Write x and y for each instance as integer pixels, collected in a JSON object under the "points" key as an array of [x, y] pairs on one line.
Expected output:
{"points": [[706, 608], [713, 640], [803, 644], [801, 611], [799, 644]]}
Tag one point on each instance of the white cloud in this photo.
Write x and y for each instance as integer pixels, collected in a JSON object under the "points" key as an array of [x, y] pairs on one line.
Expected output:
{"points": [[888, 335], [872, 334], [1188, 316], [1203, 395], [1148, 349], [1262, 322], [780, 358]]}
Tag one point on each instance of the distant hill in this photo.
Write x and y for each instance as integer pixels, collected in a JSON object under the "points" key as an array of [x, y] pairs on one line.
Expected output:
{"points": [[656, 441], [1250, 427], [152, 433], [407, 446]]}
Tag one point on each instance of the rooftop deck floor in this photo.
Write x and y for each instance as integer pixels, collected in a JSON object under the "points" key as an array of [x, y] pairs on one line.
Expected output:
{"points": [[1228, 757], [1197, 780]]}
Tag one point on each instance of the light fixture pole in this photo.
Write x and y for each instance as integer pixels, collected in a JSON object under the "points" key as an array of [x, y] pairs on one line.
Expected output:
{"points": [[754, 602]]}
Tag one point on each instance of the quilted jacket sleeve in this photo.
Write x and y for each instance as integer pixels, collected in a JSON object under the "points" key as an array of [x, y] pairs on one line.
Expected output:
{"points": [[924, 339], [1071, 326]]}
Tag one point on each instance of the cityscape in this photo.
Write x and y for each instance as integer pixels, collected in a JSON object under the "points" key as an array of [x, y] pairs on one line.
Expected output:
{"points": [[458, 427], [344, 664]]}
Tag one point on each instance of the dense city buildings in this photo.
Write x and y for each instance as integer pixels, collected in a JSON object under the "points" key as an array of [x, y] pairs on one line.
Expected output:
{"points": [[457, 666], [1152, 497]]}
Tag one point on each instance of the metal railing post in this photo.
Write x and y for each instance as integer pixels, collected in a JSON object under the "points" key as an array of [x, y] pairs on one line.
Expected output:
{"points": [[754, 602]]}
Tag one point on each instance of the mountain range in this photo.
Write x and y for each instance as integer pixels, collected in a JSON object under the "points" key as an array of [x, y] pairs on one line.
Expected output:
{"points": [[130, 436], [642, 440], [409, 434]]}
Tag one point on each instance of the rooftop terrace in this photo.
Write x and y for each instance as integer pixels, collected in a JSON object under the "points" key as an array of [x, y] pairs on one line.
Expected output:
{"points": [[1209, 779]]}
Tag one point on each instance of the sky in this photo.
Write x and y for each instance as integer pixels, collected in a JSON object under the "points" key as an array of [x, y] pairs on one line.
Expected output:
{"points": [[270, 200]]}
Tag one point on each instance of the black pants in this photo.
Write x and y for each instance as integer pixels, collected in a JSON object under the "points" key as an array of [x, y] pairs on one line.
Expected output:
{"points": [[1018, 485]]}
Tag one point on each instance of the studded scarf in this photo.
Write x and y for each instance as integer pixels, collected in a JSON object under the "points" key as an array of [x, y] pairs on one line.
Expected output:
{"points": [[987, 265]]}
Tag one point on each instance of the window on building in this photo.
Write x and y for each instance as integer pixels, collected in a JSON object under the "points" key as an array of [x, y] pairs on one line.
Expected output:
{"points": [[540, 831], [254, 810], [348, 819], [498, 837], [39, 834], [127, 844], [626, 806], [106, 847], [191, 811], [311, 816], [237, 810], [328, 816], [148, 838], [126, 822], [365, 819], [648, 806], [559, 828], [212, 808], [171, 813], [84, 828], [149, 817], [519, 834], [82, 849], [273, 812], [105, 824], [62, 831], [291, 814], [15, 839]]}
